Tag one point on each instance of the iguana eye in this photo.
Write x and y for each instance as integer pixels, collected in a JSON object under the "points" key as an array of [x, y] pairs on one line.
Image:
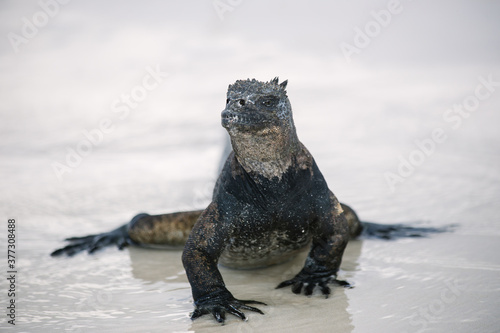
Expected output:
{"points": [[227, 101], [269, 101]]}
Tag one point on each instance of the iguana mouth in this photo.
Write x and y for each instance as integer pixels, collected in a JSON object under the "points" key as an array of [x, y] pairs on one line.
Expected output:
{"points": [[245, 120], [229, 118]]}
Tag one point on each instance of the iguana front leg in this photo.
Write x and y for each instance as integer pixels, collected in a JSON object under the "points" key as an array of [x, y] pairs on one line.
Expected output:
{"points": [[201, 253], [331, 234]]}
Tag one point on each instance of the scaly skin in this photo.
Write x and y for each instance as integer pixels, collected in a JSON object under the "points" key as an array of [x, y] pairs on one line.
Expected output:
{"points": [[270, 201]]}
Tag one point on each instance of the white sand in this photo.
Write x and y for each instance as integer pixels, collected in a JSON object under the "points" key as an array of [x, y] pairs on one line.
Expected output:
{"points": [[357, 118]]}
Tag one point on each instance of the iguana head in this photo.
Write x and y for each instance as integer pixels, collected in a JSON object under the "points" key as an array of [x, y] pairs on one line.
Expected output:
{"points": [[258, 118], [256, 106]]}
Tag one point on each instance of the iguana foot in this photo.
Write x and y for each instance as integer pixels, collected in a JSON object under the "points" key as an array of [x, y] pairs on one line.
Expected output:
{"points": [[219, 305], [308, 281], [92, 243]]}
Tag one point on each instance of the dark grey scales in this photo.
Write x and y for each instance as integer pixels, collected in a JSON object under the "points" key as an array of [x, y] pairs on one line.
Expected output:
{"points": [[269, 203]]}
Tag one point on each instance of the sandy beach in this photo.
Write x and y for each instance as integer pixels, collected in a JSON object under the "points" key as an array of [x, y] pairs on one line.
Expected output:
{"points": [[109, 110]]}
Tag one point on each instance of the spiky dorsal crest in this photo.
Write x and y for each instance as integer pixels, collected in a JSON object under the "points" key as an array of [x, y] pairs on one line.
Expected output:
{"points": [[276, 81], [253, 86]]}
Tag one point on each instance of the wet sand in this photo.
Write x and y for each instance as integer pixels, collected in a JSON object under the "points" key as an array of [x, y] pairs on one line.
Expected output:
{"points": [[361, 120]]}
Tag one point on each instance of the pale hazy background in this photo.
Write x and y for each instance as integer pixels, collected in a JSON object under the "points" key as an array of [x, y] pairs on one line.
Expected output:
{"points": [[359, 117]]}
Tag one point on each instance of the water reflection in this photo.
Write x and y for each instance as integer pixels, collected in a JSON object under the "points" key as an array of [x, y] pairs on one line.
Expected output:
{"points": [[164, 266]]}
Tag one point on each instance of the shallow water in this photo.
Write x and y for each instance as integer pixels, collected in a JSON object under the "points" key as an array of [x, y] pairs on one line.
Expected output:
{"points": [[358, 119]]}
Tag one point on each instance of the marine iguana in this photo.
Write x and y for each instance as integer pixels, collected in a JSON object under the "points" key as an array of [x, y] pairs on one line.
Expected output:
{"points": [[269, 203]]}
